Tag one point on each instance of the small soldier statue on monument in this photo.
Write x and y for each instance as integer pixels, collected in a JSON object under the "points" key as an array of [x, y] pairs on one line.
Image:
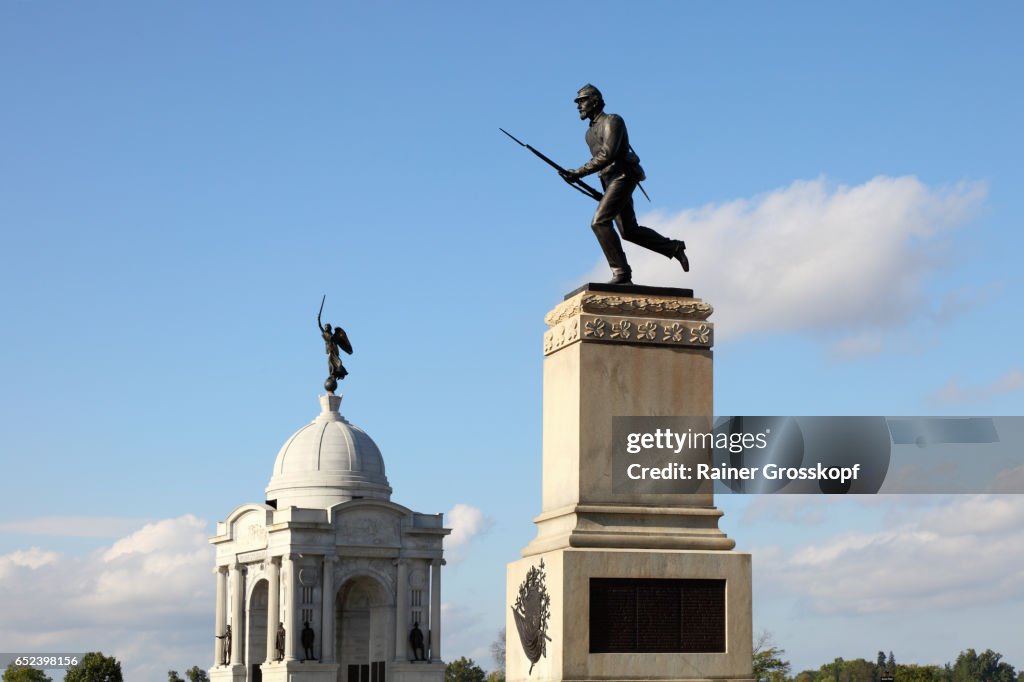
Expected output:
{"points": [[279, 643], [308, 637], [336, 341], [419, 653], [226, 651], [619, 168]]}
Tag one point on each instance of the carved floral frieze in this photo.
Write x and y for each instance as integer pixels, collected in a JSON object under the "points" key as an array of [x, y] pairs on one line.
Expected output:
{"points": [[602, 329]]}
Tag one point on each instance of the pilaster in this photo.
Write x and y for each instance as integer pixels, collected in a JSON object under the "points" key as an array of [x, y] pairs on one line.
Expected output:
{"points": [[402, 612], [237, 613], [327, 612], [291, 610], [435, 610], [220, 618], [273, 606]]}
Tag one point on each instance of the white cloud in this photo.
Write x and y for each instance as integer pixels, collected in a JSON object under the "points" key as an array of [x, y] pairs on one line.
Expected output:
{"points": [[857, 345], [29, 558], [965, 553], [955, 393], [466, 523], [1009, 480], [965, 299], [800, 510], [813, 256], [466, 628], [147, 599], [74, 526]]}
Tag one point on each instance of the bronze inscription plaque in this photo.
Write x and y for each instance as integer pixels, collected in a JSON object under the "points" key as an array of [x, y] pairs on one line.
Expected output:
{"points": [[635, 615]]}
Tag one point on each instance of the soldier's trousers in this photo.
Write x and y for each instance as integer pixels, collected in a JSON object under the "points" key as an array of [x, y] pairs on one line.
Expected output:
{"points": [[617, 206]]}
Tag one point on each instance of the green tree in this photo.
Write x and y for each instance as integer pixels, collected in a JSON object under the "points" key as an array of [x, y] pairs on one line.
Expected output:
{"points": [[832, 672], [21, 673], [172, 676], [495, 676], [920, 673], [95, 667], [858, 670], [197, 674], [987, 666], [463, 670], [769, 665], [840, 670]]}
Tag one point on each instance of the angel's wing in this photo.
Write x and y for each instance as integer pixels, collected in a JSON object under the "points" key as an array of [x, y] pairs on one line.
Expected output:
{"points": [[341, 338]]}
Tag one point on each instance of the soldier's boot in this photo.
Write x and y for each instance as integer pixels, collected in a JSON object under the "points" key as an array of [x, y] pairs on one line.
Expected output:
{"points": [[680, 255], [621, 276]]}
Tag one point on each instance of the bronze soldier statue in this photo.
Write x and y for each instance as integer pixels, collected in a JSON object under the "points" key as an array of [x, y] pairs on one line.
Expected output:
{"points": [[226, 648], [279, 643], [308, 637], [416, 642], [619, 169]]}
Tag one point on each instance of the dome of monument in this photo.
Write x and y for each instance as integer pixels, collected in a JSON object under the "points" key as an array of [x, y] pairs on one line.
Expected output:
{"points": [[327, 462]]}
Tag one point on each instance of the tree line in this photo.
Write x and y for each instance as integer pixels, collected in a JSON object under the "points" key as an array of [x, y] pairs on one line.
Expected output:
{"points": [[770, 665], [769, 662]]}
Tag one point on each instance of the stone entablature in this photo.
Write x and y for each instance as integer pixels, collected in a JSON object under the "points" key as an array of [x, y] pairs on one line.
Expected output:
{"points": [[370, 528]]}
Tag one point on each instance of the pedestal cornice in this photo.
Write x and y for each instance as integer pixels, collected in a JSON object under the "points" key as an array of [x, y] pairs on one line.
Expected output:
{"points": [[626, 317]]}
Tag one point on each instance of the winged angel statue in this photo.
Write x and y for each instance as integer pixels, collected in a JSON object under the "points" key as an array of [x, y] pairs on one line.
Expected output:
{"points": [[336, 341]]}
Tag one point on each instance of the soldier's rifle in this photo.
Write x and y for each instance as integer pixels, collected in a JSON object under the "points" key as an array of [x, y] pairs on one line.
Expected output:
{"points": [[578, 185]]}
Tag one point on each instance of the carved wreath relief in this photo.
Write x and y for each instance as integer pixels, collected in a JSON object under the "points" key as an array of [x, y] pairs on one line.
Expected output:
{"points": [[531, 611]]}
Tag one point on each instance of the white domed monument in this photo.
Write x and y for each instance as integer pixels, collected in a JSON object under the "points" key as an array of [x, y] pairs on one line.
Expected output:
{"points": [[328, 580]]}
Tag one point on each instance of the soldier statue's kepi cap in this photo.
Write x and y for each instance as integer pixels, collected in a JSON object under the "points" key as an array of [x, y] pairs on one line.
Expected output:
{"points": [[588, 90]]}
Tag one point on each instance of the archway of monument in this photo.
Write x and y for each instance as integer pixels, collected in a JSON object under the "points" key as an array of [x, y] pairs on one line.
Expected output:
{"points": [[256, 641], [364, 630]]}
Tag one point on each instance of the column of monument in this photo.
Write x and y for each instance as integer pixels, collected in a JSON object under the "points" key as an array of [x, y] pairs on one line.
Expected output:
{"points": [[237, 613], [273, 606], [220, 619], [435, 610], [402, 612], [327, 613], [291, 606]]}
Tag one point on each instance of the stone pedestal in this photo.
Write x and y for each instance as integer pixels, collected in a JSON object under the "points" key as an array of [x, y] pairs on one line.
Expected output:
{"points": [[639, 352], [419, 671], [299, 671], [227, 673]]}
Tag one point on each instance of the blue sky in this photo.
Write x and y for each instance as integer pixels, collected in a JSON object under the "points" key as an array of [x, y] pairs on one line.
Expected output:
{"points": [[180, 183]]}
